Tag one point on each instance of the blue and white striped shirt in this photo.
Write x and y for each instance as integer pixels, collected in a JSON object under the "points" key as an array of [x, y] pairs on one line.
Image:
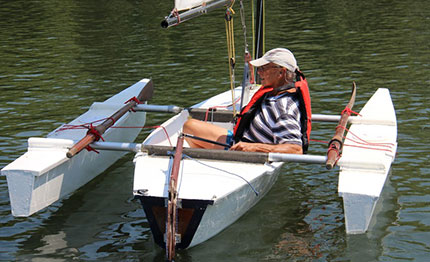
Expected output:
{"points": [[276, 122]]}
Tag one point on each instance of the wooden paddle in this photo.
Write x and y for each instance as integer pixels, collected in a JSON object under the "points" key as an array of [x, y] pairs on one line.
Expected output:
{"points": [[336, 143], [172, 201], [144, 95]]}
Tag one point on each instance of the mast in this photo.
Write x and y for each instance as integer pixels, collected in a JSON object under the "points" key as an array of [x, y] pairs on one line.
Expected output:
{"points": [[259, 32]]}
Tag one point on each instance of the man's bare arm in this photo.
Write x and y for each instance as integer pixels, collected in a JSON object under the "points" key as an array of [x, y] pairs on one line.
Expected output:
{"points": [[266, 148]]}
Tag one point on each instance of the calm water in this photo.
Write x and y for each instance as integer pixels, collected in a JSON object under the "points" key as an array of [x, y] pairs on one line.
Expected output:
{"points": [[57, 57]]}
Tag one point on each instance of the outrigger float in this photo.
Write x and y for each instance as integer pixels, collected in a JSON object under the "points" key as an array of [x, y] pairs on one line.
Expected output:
{"points": [[189, 195], [45, 174]]}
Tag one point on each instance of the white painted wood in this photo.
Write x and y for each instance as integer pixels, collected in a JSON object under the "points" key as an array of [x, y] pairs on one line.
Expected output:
{"points": [[44, 174], [361, 185], [222, 181], [363, 171]]}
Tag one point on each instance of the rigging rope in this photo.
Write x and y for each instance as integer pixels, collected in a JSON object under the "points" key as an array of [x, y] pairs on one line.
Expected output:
{"points": [[229, 28], [89, 126], [248, 71], [264, 26], [261, 29], [361, 143], [253, 29], [258, 32], [213, 108], [242, 19]]}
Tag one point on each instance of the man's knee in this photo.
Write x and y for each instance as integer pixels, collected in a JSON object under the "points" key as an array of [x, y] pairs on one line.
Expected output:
{"points": [[190, 125]]}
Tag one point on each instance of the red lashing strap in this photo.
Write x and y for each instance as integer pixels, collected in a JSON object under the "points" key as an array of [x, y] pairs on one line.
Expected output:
{"points": [[93, 131], [133, 99], [96, 134], [89, 148], [333, 148], [349, 111]]}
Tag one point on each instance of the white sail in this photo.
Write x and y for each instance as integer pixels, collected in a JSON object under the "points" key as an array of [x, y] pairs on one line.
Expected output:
{"points": [[188, 4]]}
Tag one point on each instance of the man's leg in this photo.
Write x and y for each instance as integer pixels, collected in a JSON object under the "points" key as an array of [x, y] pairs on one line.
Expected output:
{"points": [[204, 130]]}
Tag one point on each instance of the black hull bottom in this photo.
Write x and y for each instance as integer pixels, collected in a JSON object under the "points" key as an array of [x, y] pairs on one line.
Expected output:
{"points": [[189, 216]]}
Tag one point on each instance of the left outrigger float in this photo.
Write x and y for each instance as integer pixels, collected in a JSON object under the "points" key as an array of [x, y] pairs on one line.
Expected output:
{"points": [[44, 174]]}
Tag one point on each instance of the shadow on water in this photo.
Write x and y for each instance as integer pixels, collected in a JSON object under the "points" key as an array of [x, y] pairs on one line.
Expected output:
{"points": [[372, 241], [94, 222]]}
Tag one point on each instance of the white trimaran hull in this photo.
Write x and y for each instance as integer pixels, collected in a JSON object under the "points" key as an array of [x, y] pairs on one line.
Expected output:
{"points": [[220, 183], [44, 174], [219, 188], [212, 193], [223, 186]]}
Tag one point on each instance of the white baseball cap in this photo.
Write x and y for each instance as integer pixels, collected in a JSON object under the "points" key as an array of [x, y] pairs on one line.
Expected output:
{"points": [[279, 56]]}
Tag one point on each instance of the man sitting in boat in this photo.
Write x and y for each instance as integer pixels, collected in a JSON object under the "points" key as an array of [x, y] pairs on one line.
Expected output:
{"points": [[277, 118]]}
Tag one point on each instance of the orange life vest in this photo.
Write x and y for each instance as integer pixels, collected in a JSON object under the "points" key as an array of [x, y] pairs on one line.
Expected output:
{"points": [[248, 112]]}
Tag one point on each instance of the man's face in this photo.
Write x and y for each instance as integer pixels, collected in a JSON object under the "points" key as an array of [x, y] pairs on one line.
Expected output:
{"points": [[270, 74]]}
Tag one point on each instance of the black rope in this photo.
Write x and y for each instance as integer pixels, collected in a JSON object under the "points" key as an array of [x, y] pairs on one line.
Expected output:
{"points": [[207, 140]]}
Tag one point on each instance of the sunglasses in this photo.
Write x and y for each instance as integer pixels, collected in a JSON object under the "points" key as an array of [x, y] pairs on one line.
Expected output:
{"points": [[267, 67]]}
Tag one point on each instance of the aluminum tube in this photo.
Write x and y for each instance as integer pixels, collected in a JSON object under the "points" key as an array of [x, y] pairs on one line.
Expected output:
{"points": [[240, 156], [192, 13], [325, 118], [158, 108], [352, 120], [117, 146], [310, 159]]}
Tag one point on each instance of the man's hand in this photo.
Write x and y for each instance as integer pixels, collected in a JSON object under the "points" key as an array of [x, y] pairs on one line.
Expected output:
{"points": [[266, 148], [243, 146]]}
